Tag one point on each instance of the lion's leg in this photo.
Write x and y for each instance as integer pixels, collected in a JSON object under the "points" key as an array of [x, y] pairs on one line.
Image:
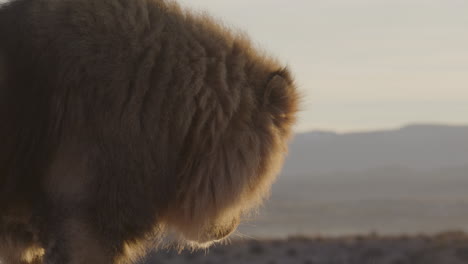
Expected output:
{"points": [[68, 234], [72, 237], [18, 244], [74, 242], [86, 224]]}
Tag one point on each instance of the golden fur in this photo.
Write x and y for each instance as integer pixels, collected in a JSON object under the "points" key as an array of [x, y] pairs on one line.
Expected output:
{"points": [[125, 119]]}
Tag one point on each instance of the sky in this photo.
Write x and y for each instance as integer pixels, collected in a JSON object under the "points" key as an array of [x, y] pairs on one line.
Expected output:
{"points": [[363, 64]]}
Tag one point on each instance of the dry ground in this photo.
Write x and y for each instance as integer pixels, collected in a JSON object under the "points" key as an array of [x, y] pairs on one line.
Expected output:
{"points": [[446, 248]]}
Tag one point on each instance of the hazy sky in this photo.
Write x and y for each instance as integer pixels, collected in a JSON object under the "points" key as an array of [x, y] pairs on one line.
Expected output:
{"points": [[364, 64]]}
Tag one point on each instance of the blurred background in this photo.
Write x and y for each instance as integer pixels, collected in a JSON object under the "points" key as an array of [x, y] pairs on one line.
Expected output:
{"points": [[382, 143]]}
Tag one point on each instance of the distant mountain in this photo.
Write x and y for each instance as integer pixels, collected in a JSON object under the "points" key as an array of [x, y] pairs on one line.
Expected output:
{"points": [[422, 147]]}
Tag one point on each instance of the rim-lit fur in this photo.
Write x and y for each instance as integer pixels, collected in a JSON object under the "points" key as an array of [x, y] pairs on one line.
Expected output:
{"points": [[122, 120]]}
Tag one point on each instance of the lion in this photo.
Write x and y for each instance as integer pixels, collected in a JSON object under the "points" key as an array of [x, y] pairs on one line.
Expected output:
{"points": [[123, 121]]}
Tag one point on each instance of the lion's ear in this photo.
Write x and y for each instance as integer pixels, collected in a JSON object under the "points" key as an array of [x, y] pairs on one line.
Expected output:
{"points": [[277, 89], [280, 99], [275, 83]]}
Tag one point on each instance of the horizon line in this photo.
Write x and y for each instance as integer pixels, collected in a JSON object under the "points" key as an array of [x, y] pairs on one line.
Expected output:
{"points": [[383, 128]]}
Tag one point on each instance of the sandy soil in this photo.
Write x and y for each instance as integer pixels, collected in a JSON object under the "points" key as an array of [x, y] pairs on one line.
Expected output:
{"points": [[445, 248]]}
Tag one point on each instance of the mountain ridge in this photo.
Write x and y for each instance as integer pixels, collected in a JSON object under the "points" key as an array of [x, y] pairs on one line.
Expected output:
{"points": [[416, 146]]}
